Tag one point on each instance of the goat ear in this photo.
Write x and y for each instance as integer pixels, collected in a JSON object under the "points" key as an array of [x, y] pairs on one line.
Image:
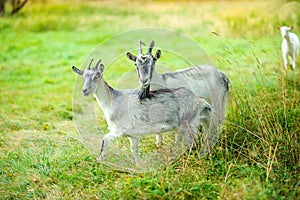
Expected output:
{"points": [[157, 54], [77, 71], [101, 68], [131, 57], [278, 27], [291, 28]]}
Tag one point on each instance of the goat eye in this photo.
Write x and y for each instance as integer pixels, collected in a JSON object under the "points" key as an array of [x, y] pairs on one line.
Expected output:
{"points": [[94, 77]]}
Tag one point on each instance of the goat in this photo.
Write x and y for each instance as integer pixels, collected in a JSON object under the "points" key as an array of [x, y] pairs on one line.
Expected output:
{"points": [[289, 46], [204, 81], [126, 115]]}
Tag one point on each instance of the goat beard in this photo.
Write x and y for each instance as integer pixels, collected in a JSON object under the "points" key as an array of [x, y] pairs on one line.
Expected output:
{"points": [[144, 93]]}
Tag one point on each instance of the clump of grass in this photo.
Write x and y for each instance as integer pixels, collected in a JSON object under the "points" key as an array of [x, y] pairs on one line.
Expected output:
{"points": [[262, 128]]}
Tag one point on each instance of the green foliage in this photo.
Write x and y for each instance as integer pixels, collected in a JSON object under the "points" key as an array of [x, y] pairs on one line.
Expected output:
{"points": [[257, 156]]}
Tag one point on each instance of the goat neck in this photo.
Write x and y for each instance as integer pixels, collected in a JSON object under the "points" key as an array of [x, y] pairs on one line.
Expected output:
{"points": [[157, 80], [104, 94]]}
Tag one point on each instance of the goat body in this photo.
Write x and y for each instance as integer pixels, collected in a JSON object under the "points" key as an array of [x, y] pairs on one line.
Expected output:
{"points": [[205, 82]]}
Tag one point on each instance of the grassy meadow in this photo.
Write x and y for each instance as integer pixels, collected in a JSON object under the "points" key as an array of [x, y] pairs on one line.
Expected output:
{"points": [[257, 156]]}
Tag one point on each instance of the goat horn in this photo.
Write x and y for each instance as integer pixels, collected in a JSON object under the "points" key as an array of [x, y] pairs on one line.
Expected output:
{"points": [[96, 66], [151, 45], [89, 66], [140, 47]]}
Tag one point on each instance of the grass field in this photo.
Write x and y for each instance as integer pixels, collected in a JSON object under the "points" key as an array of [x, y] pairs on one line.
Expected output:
{"points": [[257, 156]]}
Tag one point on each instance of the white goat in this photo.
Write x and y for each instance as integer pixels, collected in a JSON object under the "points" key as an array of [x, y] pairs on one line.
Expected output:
{"points": [[204, 81], [289, 46], [127, 115]]}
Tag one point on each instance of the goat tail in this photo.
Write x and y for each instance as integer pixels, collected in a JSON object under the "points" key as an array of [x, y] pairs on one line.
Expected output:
{"points": [[225, 81], [219, 100]]}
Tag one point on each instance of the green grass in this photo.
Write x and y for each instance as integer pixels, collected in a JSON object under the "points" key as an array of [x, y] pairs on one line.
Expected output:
{"points": [[257, 156]]}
